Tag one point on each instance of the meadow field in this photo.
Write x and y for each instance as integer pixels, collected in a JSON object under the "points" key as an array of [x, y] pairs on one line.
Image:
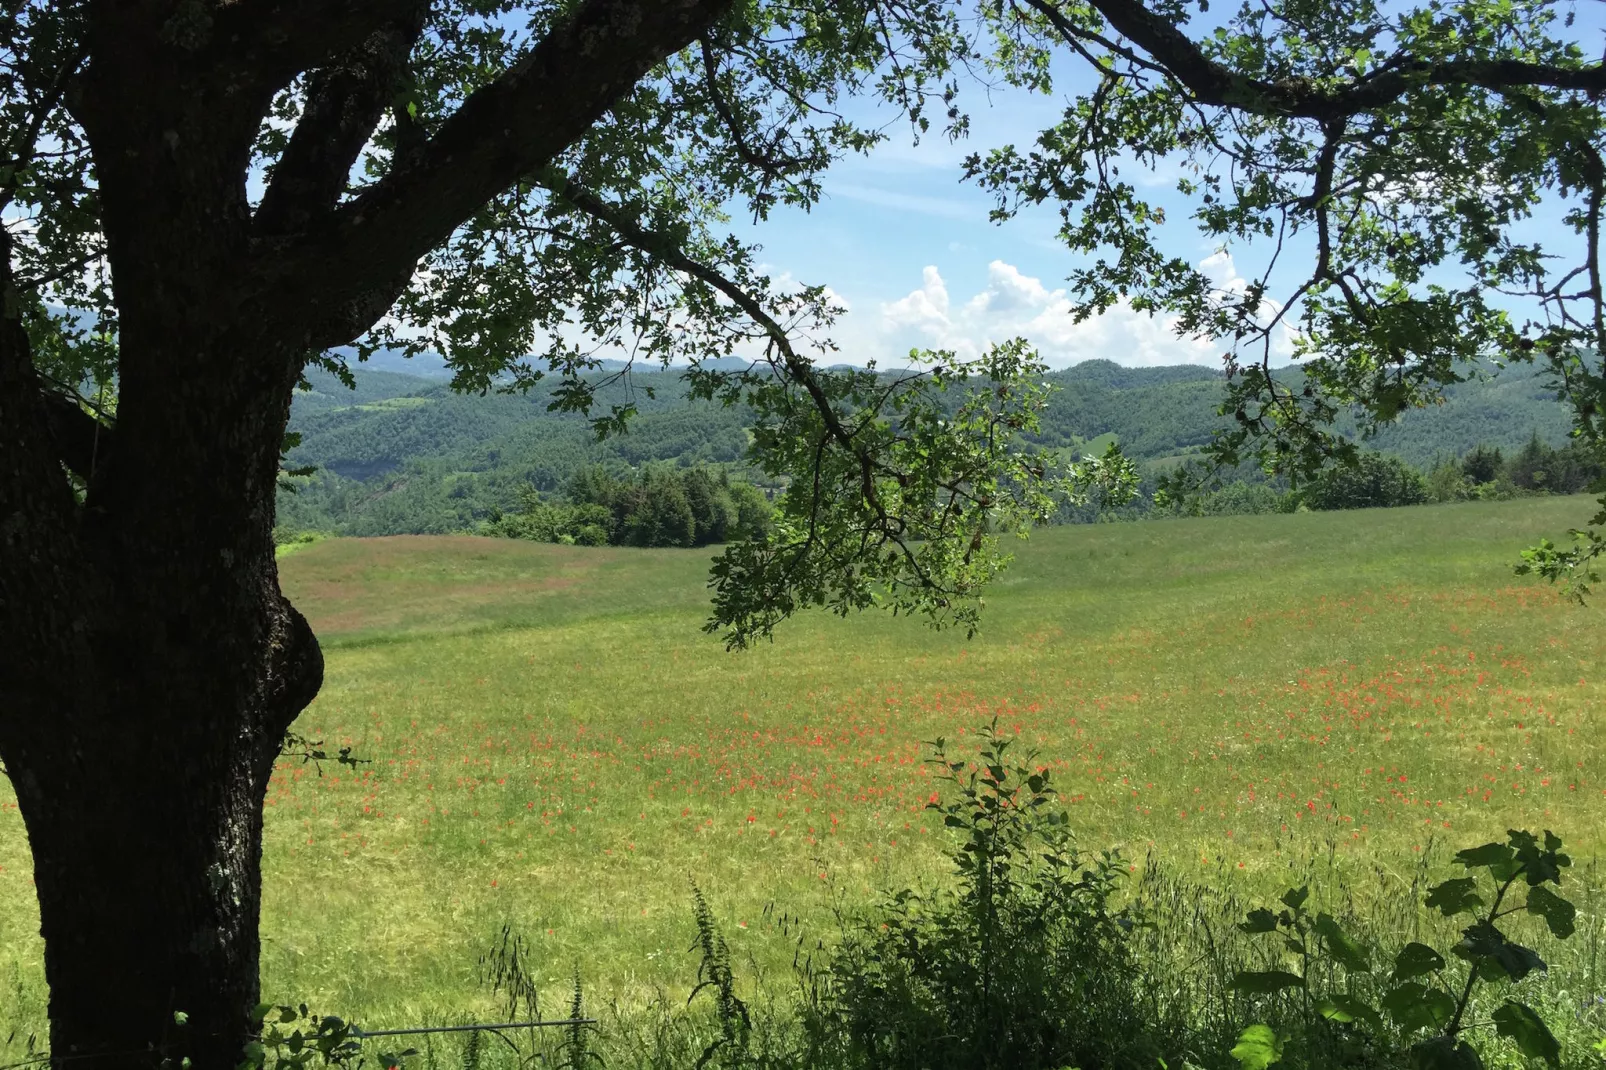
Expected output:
{"points": [[555, 745]]}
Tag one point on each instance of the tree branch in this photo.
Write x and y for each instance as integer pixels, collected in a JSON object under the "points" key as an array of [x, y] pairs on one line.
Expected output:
{"points": [[21, 154], [344, 103], [1216, 84], [796, 367], [81, 441], [504, 131], [665, 250], [283, 38], [38, 545], [774, 169]]}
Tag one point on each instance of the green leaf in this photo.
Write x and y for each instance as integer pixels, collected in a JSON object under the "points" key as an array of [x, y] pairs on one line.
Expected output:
{"points": [[1258, 1047], [1295, 898], [1260, 920], [1496, 957], [1343, 947], [1540, 864], [1559, 914], [1413, 1005], [1445, 1053], [1522, 1024], [1341, 1008], [180, 1018], [1262, 981], [1458, 896], [1517, 962], [1416, 960]]}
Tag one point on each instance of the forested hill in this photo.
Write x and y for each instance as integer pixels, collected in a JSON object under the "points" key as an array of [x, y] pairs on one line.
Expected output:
{"points": [[402, 453]]}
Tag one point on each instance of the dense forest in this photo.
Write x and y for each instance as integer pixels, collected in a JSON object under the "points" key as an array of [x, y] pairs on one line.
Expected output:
{"points": [[402, 453]]}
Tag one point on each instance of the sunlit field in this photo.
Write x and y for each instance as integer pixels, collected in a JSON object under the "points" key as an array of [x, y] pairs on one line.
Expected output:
{"points": [[555, 744]]}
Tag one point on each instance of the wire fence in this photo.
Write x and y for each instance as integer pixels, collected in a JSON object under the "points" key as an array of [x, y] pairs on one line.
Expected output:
{"points": [[356, 1034], [360, 1033]]}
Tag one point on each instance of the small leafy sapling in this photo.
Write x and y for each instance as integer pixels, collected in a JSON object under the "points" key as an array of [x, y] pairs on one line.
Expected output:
{"points": [[282, 1044], [296, 745], [1425, 998], [998, 805], [1307, 938]]}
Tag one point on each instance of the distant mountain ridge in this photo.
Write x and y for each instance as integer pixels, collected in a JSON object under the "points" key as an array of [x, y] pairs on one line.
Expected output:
{"points": [[402, 453]]}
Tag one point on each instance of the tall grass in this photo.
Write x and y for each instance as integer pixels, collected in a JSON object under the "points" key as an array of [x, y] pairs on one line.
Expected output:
{"points": [[1237, 703], [1148, 982]]}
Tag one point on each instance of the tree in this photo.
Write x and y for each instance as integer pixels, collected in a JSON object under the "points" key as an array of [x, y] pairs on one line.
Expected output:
{"points": [[710, 503], [202, 198], [1374, 481], [219, 193], [659, 513], [1483, 465], [1398, 150]]}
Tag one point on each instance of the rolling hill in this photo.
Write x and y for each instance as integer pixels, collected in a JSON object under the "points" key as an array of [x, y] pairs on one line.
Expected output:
{"points": [[404, 454]]}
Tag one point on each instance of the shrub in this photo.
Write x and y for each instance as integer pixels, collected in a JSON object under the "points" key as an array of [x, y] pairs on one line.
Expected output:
{"points": [[1375, 480], [662, 507], [1424, 1010], [1023, 963]]}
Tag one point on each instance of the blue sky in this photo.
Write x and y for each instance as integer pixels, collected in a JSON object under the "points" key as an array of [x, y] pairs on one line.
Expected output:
{"points": [[907, 246]]}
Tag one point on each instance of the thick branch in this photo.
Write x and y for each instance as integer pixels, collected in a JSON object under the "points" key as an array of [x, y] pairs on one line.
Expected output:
{"points": [[37, 531], [344, 103], [503, 132], [283, 38], [1213, 83], [81, 441]]}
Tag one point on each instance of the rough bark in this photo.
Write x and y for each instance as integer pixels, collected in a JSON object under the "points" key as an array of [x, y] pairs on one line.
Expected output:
{"points": [[151, 669]]}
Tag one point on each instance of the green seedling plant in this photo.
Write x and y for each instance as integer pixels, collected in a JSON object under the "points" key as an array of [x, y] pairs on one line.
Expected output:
{"points": [[291, 1038], [1428, 1001]]}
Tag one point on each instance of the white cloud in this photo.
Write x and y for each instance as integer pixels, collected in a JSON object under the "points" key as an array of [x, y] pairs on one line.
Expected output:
{"points": [[926, 309], [1009, 291], [1015, 304]]}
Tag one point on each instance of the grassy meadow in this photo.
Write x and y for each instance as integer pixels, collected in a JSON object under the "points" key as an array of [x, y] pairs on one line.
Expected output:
{"points": [[556, 745]]}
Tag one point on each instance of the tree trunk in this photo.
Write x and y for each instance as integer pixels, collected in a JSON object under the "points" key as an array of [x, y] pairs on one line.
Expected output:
{"points": [[147, 866], [146, 831], [151, 668]]}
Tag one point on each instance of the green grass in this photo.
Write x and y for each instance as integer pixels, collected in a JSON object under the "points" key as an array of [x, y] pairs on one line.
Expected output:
{"points": [[555, 743], [389, 404], [1093, 447]]}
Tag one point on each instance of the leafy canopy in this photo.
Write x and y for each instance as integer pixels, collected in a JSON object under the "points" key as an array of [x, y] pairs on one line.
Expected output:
{"points": [[1387, 157]]}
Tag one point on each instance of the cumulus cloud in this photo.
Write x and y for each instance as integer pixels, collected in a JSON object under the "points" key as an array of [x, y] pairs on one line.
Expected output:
{"points": [[925, 309], [1016, 304]]}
